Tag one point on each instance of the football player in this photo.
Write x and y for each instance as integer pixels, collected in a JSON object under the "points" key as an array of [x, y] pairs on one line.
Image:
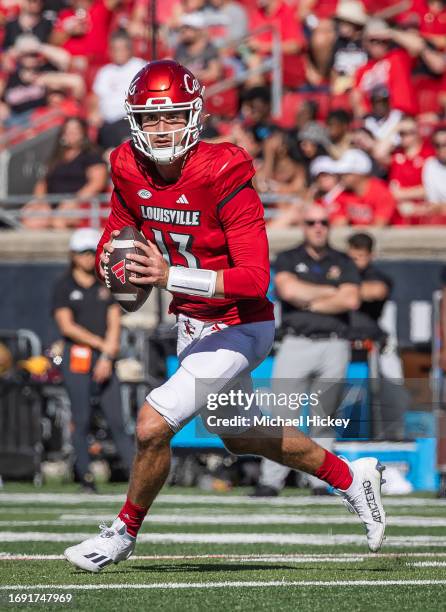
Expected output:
{"points": [[195, 204]]}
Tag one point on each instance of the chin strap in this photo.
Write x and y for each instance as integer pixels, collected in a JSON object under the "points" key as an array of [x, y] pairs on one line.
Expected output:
{"points": [[192, 281]]}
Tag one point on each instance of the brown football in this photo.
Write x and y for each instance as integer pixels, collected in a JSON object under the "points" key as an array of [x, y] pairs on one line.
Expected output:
{"points": [[131, 297]]}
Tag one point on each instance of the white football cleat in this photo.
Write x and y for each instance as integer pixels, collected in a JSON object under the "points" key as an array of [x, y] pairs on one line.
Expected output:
{"points": [[112, 545], [363, 498]]}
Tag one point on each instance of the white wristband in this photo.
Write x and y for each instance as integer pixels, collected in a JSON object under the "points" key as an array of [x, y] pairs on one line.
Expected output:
{"points": [[192, 281]]}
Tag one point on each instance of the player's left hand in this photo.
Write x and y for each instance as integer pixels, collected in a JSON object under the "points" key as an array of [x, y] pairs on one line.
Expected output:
{"points": [[152, 266]]}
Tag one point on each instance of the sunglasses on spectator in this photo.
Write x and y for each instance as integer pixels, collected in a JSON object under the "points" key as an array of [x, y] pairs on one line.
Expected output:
{"points": [[403, 133], [376, 41], [313, 222], [440, 145]]}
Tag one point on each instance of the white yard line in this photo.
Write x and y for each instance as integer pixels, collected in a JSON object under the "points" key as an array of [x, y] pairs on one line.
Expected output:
{"points": [[428, 564], [218, 585], [230, 519], [212, 500], [227, 558], [314, 539], [292, 558]]}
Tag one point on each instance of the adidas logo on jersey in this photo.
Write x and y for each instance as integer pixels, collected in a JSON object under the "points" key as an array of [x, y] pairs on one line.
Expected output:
{"points": [[119, 271], [182, 199]]}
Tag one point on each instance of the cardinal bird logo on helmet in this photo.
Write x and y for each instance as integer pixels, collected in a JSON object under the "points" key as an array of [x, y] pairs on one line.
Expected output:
{"points": [[164, 89]]}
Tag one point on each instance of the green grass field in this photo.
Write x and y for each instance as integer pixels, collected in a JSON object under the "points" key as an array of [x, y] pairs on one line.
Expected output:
{"points": [[201, 551]]}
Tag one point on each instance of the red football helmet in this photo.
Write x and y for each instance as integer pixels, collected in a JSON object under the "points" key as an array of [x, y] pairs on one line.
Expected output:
{"points": [[161, 86]]}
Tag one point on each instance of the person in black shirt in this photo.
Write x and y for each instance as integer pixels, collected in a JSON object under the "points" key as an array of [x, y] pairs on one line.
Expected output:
{"points": [[375, 289], [317, 287], [372, 344], [29, 21], [75, 168], [90, 322]]}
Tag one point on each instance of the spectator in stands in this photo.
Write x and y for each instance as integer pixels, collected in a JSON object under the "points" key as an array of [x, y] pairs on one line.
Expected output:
{"points": [[195, 51], [37, 68], [387, 67], [383, 119], [29, 21], [233, 18], [179, 8], [434, 179], [89, 320], [372, 344], [368, 200], [405, 164], [348, 52], [280, 174], [338, 126], [279, 14], [433, 22], [374, 290], [312, 141], [363, 139], [109, 89], [256, 111], [83, 30], [74, 168], [248, 139], [326, 189]]}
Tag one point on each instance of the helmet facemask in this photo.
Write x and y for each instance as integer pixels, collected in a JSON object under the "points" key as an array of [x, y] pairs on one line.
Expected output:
{"points": [[143, 138]]}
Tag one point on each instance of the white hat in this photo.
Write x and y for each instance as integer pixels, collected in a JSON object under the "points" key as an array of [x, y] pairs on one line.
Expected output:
{"points": [[354, 161], [85, 239], [193, 20], [321, 164], [377, 28], [352, 12]]}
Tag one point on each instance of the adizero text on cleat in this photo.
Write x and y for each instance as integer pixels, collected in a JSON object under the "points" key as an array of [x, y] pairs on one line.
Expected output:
{"points": [[363, 497]]}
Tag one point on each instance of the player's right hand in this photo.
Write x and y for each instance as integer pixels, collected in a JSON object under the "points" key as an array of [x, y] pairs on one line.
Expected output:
{"points": [[107, 248]]}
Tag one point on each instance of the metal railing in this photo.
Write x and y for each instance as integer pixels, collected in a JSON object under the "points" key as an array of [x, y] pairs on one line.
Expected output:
{"points": [[93, 210]]}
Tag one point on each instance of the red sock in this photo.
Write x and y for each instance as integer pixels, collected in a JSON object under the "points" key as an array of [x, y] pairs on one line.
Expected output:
{"points": [[335, 472], [133, 516]]}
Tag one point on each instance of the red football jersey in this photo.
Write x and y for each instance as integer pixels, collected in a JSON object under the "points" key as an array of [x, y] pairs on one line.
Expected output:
{"points": [[210, 218]]}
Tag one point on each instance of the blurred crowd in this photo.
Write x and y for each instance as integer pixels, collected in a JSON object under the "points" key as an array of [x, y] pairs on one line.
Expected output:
{"points": [[361, 130]]}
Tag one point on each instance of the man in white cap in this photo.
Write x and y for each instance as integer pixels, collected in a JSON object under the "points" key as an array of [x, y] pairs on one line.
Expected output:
{"points": [[348, 52], [89, 320], [196, 51], [326, 189], [368, 200]]}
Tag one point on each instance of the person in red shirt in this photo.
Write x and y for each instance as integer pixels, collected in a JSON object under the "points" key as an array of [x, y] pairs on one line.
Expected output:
{"points": [[326, 189], [433, 22], [406, 164], [279, 14], [387, 67], [367, 200], [83, 29], [207, 245]]}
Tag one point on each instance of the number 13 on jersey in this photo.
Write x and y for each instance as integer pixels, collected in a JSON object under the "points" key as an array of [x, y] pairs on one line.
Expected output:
{"points": [[182, 243]]}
